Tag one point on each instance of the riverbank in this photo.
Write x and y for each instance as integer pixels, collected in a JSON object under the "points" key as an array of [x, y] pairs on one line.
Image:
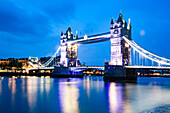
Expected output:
{"points": [[10, 74]]}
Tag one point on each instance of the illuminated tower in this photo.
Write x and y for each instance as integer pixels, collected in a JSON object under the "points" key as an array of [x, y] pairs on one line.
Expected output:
{"points": [[63, 57], [68, 50], [120, 50]]}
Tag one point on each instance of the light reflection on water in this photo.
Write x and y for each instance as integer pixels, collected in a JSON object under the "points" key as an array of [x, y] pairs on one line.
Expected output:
{"points": [[89, 94], [68, 96]]}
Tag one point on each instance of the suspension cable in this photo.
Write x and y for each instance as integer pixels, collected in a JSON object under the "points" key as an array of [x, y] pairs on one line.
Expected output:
{"points": [[146, 53], [51, 59]]}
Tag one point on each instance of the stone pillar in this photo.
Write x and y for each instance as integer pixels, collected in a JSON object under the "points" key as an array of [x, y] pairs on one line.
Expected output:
{"points": [[116, 45], [63, 52], [72, 54]]}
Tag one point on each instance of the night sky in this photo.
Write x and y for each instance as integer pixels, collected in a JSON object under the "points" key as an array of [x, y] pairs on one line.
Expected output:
{"points": [[33, 27]]}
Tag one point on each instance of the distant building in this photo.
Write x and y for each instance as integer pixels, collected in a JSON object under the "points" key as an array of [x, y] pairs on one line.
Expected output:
{"points": [[7, 61], [23, 60], [4, 61]]}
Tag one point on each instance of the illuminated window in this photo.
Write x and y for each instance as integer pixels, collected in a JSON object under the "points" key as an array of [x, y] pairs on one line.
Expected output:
{"points": [[116, 31]]}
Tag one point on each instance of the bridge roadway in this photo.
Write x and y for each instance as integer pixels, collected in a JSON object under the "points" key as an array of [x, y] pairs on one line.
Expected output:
{"points": [[72, 68], [50, 69], [148, 67]]}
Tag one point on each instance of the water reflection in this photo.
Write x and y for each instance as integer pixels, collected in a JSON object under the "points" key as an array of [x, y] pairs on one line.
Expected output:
{"points": [[128, 98], [87, 95], [1, 78], [115, 97], [68, 96], [86, 84], [32, 86]]}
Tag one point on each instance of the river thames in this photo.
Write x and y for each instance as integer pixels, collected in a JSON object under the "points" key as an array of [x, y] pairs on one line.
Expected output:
{"points": [[83, 95]]}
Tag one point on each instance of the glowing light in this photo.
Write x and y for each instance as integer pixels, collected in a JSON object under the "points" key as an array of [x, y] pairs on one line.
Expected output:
{"points": [[112, 98], [69, 94], [142, 33], [126, 45], [128, 25], [85, 37]]}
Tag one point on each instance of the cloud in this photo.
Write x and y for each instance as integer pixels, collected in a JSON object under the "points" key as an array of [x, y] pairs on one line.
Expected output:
{"points": [[56, 10], [19, 24]]}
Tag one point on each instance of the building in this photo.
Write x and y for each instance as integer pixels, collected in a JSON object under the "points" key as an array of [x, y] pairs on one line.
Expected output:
{"points": [[120, 50], [68, 51], [7, 61]]}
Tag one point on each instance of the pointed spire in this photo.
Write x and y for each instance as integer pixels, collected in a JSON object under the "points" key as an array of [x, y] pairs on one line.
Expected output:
{"points": [[69, 28], [120, 13], [112, 21], [129, 20], [76, 34], [120, 18], [62, 33], [129, 25]]}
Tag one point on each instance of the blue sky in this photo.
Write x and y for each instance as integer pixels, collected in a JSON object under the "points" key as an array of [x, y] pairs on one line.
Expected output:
{"points": [[33, 27]]}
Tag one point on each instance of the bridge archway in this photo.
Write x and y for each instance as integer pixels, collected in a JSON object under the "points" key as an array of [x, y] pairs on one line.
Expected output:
{"points": [[96, 55]]}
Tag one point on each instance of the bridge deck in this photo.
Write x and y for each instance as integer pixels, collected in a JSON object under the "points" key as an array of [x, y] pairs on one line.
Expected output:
{"points": [[92, 39], [148, 67]]}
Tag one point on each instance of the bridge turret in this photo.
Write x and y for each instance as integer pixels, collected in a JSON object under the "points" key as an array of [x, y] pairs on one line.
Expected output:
{"points": [[75, 37], [129, 25], [63, 45], [120, 18], [111, 23], [62, 33], [120, 51], [68, 50], [69, 34]]}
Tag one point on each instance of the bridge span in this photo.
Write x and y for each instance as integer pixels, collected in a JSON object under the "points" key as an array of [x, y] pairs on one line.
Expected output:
{"points": [[77, 70], [121, 55], [152, 71]]}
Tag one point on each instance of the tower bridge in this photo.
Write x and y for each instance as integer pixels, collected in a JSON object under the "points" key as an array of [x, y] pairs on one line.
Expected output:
{"points": [[122, 44], [120, 50]]}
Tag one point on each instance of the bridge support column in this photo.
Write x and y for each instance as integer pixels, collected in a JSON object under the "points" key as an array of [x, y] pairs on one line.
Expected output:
{"points": [[68, 50], [63, 52], [120, 50], [119, 74], [72, 55], [116, 55]]}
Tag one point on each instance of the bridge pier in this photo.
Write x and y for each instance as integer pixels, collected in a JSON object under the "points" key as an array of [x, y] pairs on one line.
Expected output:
{"points": [[119, 74]]}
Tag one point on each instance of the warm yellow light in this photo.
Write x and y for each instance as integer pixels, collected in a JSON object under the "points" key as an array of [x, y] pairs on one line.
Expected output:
{"points": [[85, 37], [126, 45]]}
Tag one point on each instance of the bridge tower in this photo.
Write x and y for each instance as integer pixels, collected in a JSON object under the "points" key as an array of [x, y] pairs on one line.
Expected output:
{"points": [[68, 51], [120, 50]]}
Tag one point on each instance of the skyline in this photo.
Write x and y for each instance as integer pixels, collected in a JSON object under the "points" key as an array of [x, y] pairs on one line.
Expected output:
{"points": [[34, 29]]}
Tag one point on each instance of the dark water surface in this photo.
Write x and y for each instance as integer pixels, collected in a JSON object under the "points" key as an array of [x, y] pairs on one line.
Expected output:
{"points": [[84, 95]]}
